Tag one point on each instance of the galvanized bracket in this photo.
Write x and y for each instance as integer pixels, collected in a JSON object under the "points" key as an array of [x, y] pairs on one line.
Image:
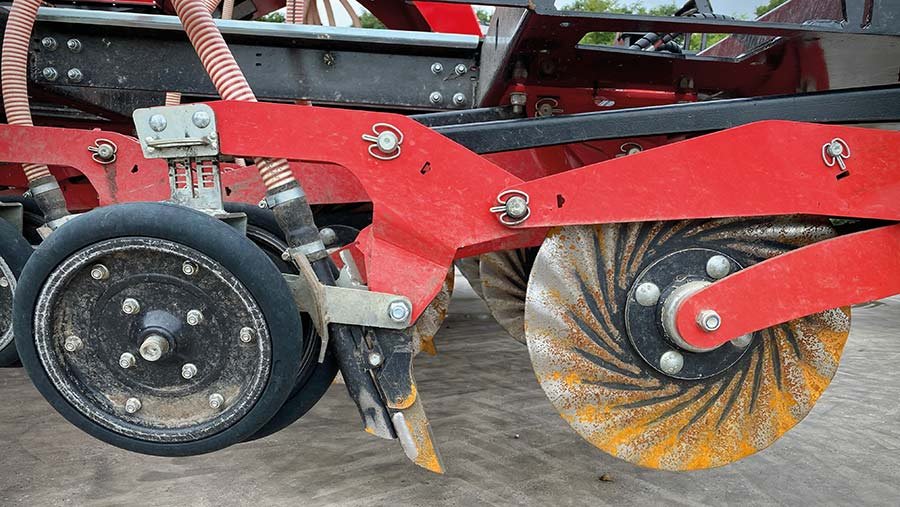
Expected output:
{"points": [[187, 131]]}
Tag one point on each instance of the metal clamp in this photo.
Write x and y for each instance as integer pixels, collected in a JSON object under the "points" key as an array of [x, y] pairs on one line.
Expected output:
{"points": [[835, 152], [282, 197], [386, 141], [186, 131], [514, 209]]}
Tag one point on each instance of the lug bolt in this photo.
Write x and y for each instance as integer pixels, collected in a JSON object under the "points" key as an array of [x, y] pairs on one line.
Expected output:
{"points": [[154, 347], [75, 75], [436, 97], [189, 371], [132, 405], [158, 122], [189, 268], [460, 69], [74, 45], [398, 311], [49, 73], [516, 207], [216, 401], [718, 266], [99, 272], [743, 340], [671, 362], [459, 99], [4, 282], [437, 68], [247, 334], [73, 344], [194, 317], [201, 119], [130, 306], [127, 360], [375, 359], [646, 294], [49, 43], [709, 320]]}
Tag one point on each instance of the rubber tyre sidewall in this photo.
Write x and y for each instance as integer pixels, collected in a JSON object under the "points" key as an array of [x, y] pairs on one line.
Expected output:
{"points": [[15, 251], [205, 234]]}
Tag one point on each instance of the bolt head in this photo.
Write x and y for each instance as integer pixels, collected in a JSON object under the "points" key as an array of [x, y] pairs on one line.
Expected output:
{"points": [[709, 320], [516, 207], [194, 317], [154, 347], [743, 340], [460, 69], [436, 97], [74, 75], [375, 359], [189, 268], [459, 99], [387, 141], [74, 45], [105, 152], [201, 119], [328, 236], [127, 360], [216, 401], [247, 334], [671, 362], [437, 68], [518, 99], [49, 73], [130, 306], [718, 266], [285, 256], [158, 122], [99, 272], [132, 405], [398, 311], [73, 344], [4, 282], [188, 371], [49, 43], [836, 149], [647, 294]]}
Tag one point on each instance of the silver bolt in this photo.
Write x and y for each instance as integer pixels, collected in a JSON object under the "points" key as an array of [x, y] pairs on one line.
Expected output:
{"points": [[247, 334], [387, 141], [105, 152], [194, 317], [285, 256], [646, 294], [132, 405], [709, 320], [437, 68], [127, 360], [75, 75], [671, 362], [188, 371], [835, 149], [216, 401], [130, 306], [460, 69], [99, 272], [73, 344], [375, 359], [189, 268], [201, 119], [436, 97], [328, 236], [516, 207], [74, 45], [4, 282], [518, 99], [718, 266], [263, 204], [154, 347], [158, 122], [398, 311], [49, 43], [49, 73], [743, 340], [459, 99]]}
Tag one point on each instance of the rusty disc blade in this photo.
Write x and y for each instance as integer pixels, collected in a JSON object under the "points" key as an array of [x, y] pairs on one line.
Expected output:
{"points": [[587, 365], [428, 324], [504, 280]]}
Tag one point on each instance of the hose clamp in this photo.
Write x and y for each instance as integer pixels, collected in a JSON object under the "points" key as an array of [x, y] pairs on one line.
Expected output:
{"points": [[44, 188], [282, 197]]}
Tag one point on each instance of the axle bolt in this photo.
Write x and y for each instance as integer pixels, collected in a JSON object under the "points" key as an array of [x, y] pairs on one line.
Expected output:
{"points": [[130, 306], [646, 294], [718, 266], [73, 344], [158, 122], [516, 207], [460, 69], [436, 97], [216, 401], [709, 320], [194, 317], [375, 359], [132, 405], [75, 75], [4, 282], [437, 68], [49, 43], [247, 334], [398, 311], [671, 362], [201, 119], [154, 347], [189, 371], [459, 99], [127, 360], [189, 268], [743, 340], [74, 45], [49, 73], [99, 272]]}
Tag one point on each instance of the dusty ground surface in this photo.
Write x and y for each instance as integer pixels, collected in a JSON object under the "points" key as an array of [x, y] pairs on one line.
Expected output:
{"points": [[479, 392]]}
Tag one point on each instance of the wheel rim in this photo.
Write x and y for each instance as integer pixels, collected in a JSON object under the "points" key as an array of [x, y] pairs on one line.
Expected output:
{"points": [[7, 289]]}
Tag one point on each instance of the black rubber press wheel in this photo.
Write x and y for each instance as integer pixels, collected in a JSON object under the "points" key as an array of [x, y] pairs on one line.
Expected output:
{"points": [[14, 253]]}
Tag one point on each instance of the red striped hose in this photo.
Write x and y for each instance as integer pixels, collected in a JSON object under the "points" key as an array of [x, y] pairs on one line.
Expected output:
{"points": [[226, 76], [13, 72], [174, 98], [296, 12]]}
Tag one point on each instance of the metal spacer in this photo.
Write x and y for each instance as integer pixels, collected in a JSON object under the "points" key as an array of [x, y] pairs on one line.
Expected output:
{"points": [[512, 207], [835, 152], [386, 140]]}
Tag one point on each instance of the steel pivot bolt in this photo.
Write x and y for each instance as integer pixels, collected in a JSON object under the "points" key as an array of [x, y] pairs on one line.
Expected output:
{"points": [[158, 122], [709, 320], [73, 344], [718, 266], [460, 69], [671, 362], [247, 334], [189, 371], [436, 97], [99, 272], [328, 236], [437, 68], [4, 282], [154, 347], [49, 43], [201, 119], [75, 75], [398, 311], [132, 405], [127, 360], [646, 294], [387, 141], [375, 359], [194, 317], [49, 73], [835, 149], [516, 207], [130, 306], [459, 99], [216, 401], [74, 45], [189, 268]]}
